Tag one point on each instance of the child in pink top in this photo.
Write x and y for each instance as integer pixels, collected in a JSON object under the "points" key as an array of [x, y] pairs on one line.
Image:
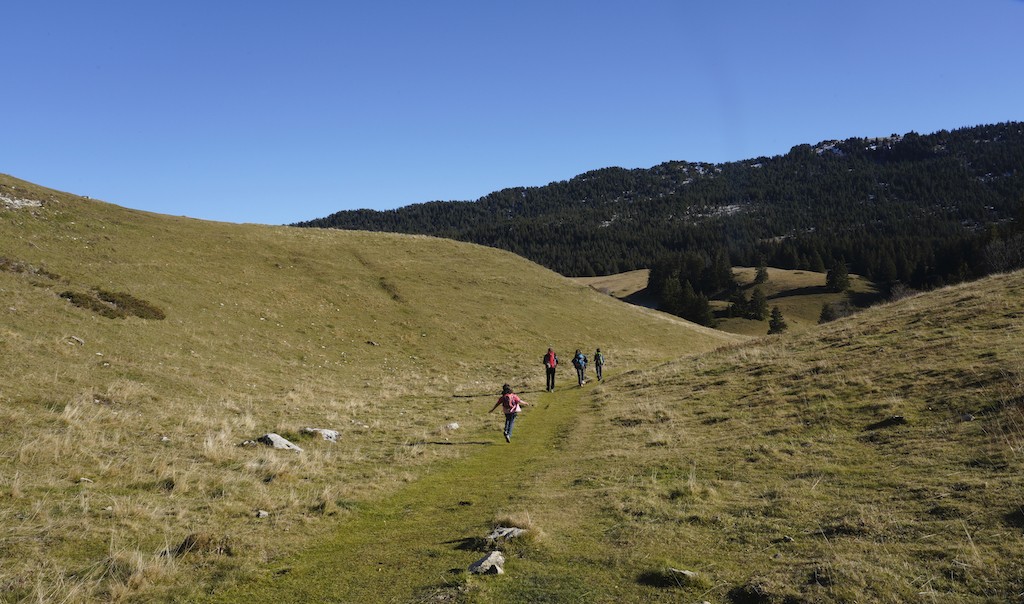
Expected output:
{"points": [[512, 405]]}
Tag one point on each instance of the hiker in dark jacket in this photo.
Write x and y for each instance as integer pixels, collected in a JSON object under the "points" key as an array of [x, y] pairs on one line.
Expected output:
{"points": [[579, 361], [550, 361], [598, 363]]}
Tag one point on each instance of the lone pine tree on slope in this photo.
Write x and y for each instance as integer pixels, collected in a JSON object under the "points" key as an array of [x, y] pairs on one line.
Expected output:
{"points": [[777, 324]]}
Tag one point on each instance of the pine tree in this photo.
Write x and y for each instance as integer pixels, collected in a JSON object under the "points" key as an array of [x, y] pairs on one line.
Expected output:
{"points": [[762, 274], [758, 305], [838, 278], [777, 324], [739, 306], [828, 313]]}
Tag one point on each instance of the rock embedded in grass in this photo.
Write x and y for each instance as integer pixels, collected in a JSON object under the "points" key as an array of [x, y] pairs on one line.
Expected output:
{"points": [[326, 434], [278, 442], [491, 564], [504, 533]]}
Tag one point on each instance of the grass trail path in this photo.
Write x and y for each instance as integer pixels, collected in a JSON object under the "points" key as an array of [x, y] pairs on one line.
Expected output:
{"points": [[419, 540]]}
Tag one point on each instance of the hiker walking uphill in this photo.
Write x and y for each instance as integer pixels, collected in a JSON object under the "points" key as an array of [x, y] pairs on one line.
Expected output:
{"points": [[512, 405], [598, 364], [579, 361], [550, 361]]}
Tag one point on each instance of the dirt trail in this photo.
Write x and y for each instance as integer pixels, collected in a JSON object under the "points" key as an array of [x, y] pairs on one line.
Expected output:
{"points": [[420, 539]]}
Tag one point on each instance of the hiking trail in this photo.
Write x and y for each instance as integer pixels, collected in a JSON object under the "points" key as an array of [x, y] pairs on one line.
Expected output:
{"points": [[421, 538]]}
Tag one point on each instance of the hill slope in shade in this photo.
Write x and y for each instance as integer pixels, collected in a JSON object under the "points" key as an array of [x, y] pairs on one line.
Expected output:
{"points": [[122, 432]]}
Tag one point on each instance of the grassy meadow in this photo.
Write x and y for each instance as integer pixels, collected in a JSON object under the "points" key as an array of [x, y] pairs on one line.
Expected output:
{"points": [[872, 459], [798, 294], [121, 433]]}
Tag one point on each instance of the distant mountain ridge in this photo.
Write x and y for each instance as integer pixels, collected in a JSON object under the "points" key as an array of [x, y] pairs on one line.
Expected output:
{"points": [[920, 209]]}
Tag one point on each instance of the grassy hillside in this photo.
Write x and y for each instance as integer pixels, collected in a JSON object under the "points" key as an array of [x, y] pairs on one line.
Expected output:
{"points": [[874, 459], [798, 294], [140, 350]]}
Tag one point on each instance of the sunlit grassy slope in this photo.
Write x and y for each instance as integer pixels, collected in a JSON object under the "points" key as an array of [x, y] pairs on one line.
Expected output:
{"points": [[120, 435], [874, 459], [798, 294]]}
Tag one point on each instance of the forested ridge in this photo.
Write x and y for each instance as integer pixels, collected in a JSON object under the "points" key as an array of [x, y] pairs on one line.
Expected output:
{"points": [[924, 210]]}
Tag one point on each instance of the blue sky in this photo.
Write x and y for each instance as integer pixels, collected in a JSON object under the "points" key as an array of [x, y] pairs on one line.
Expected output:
{"points": [[276, 112]]}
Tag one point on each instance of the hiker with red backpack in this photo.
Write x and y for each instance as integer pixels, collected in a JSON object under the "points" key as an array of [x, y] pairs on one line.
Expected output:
{"points": [[511, 405], [550, 361]]}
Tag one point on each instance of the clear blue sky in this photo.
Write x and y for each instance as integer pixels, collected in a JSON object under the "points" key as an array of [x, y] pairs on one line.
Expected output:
{"points": [[276, 112]]}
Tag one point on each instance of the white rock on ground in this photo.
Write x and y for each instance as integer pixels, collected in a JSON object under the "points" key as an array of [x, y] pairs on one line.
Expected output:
{"points": [[278, 442], [331, 435], [684, 577], [505, 533], [491, 564]]}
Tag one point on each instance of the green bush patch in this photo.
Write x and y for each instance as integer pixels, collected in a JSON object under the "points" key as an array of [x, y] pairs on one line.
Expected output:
{"points": [[132, 305], [113, 305], [91, 302]]}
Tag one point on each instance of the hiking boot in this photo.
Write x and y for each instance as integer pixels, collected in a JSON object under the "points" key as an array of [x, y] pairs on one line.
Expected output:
{"points": [[508, 438]]}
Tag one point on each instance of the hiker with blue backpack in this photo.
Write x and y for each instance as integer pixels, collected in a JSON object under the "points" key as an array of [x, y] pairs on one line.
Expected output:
{"points": [[579, 361], [511, 404]]}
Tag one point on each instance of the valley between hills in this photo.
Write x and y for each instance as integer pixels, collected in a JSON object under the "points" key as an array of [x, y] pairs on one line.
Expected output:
{"points": [[872, 458]]}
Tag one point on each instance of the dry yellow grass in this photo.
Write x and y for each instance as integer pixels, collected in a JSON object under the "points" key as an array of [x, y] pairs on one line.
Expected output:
{"points": [[837, 465], [831, 465], [121, 435]]}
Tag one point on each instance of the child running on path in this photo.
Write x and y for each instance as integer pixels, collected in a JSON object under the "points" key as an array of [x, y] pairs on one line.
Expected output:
{"points": [[512, 405]]}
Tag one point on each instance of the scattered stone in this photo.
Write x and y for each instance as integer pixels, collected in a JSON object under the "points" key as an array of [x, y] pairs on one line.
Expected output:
{"points": [[967, 417], [491, 564], [683, 577], [452, 426], [504, 533], [84, 479], [331, 435], [16, 204], [262, 514], [74, 340], [372, 343], [278, 442], [165, 439]]}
